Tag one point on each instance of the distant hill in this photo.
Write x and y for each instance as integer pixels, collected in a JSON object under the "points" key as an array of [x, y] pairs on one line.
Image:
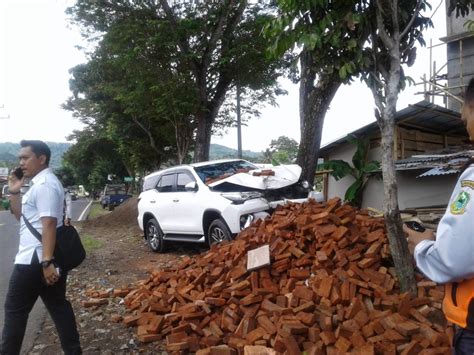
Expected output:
{"points": [[9, 153], [218, 151]]}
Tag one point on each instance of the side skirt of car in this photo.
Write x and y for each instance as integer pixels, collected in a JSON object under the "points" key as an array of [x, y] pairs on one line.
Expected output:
{"points": [[192, 238]]}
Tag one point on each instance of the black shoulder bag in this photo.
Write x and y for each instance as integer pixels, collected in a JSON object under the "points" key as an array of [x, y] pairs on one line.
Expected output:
{"points": [[69, 251]]}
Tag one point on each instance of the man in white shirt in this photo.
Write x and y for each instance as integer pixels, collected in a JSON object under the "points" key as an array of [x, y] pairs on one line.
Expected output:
{"points": [[34, 273], [448, 258]]}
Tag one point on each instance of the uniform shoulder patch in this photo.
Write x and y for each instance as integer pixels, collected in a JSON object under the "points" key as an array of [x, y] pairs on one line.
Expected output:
{"points": [[468, 183], [458, 206]]}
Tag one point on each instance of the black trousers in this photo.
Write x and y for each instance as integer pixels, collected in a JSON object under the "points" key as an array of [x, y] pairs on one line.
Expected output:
{"points": [[26, 284], [463, 342]]}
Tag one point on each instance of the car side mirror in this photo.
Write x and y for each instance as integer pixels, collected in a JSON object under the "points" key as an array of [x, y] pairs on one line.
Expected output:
{"points": [[191, 186]]}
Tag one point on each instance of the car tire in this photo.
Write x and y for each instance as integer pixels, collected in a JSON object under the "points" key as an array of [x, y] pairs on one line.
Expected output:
{"points": [[218, 232], [154, 236], [111, 207]]}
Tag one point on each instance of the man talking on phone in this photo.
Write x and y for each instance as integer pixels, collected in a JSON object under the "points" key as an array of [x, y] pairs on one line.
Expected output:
{"points": [[34, 273]]}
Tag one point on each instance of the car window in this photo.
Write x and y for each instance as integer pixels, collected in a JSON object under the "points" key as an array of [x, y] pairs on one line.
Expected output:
{"points": [[150, 182], [183, 179], [216, 170], [166, 183], [115, 190]]}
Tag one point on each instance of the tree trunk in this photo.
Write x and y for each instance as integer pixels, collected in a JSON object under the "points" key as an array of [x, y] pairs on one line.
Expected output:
{"points": [[314, 103], [203, 136], [393, 223]]}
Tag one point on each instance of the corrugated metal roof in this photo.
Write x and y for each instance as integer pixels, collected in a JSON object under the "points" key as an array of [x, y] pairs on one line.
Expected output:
{"points": [[439, 171], [422, 115], [438, 164]]}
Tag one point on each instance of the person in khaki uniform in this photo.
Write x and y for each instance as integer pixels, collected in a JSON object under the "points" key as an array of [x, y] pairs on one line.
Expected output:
{"points": [[448, 258]]}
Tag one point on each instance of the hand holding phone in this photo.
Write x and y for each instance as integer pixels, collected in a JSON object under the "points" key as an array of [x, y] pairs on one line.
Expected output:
{"points": [[18, 173], [15, 181]]}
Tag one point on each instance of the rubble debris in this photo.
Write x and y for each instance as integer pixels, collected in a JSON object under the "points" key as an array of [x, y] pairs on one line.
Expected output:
{"points": [[331, 288]]}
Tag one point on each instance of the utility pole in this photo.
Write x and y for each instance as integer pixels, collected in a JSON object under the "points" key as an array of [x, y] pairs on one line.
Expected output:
{"points": [[239, 126]]}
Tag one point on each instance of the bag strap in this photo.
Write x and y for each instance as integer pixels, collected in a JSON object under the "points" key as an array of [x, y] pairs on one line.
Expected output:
{"points": [[32, 229]]}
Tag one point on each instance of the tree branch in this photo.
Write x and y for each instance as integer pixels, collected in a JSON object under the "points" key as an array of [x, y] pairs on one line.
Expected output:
{"points": [[395, 22], [148, 133], [183, 44], [216, 34], [387, 41], [412, 20]]}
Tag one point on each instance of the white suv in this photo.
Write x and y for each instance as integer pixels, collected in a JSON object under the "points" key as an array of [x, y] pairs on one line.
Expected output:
{"points": [[212, 201]]}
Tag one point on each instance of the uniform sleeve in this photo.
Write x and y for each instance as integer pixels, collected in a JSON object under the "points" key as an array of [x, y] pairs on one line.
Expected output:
{"points": [[451, 257], [47, 202], [68, 200]]}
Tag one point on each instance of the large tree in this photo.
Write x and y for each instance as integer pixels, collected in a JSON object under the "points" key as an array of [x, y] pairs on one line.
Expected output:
{"points": [[397, 26], [329, 38], [212, 46], [127, 90], [369, 37]]}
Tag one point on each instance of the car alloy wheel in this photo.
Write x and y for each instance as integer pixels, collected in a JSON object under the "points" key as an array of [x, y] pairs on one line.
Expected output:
{"points": [[218, 232], [154, 236]]}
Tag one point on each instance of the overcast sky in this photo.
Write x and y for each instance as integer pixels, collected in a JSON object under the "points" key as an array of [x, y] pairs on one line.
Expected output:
{"points": [[37, 48]]}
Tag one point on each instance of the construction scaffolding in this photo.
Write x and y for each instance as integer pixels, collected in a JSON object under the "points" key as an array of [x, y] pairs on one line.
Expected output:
{"points": [[450, 80]]}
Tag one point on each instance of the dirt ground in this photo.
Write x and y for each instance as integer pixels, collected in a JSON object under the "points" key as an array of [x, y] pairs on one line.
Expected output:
{"points": [[123, 259]]}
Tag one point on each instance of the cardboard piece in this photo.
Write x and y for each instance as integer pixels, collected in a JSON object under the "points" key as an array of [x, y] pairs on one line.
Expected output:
{"points": [[259, 257]]}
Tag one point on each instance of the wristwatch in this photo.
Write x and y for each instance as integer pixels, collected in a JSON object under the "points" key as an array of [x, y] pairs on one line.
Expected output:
{"points": [[46, 263]]}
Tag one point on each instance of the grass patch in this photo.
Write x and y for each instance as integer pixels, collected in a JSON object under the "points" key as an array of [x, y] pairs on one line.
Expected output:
{"points": [[96, 210], [91, 243]]}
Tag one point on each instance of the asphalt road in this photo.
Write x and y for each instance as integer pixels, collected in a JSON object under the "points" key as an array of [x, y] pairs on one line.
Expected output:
{"points": [[9, 227]]}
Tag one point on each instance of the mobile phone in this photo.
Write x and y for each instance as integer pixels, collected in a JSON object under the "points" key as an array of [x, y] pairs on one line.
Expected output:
{"points": [[418, 227], [18, 173]]}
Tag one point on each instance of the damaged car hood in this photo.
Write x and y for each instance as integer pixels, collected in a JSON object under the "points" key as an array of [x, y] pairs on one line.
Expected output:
{"points": [[285, 175]]}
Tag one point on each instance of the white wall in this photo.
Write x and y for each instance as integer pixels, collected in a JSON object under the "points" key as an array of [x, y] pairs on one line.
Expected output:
{"points": [[412, 192], [338, 188]]}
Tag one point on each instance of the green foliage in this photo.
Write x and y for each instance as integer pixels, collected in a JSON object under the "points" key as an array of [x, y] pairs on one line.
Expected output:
{"points": [[460, 7], [65, 174], [96, 211], [90, 243], [282, 150], [158, 69], [92, 159], [333, 32], [469, 25], [286, 146], [340, 168], [359, 170]]}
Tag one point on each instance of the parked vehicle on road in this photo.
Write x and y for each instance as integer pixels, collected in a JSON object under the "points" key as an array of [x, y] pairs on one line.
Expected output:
{"points": [[113, 195], [213, 201]]}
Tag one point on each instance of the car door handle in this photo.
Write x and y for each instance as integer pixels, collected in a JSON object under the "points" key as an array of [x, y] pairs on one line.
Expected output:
{"points": [[152, 201], [176, 200]]}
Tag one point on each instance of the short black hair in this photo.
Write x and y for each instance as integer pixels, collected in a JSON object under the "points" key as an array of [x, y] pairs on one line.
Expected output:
{"points": [[469, 95], [37, 147]]}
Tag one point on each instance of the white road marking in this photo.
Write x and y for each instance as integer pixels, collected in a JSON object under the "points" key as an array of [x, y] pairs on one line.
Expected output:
{"points": [[84, 212]]}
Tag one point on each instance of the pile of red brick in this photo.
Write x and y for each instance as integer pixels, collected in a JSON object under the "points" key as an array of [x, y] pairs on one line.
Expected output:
{"points": [[330, 289]]}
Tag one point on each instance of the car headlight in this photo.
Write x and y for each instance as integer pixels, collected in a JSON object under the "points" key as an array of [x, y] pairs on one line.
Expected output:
{"points": [[305, 184], [241, 197]]}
